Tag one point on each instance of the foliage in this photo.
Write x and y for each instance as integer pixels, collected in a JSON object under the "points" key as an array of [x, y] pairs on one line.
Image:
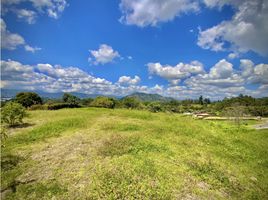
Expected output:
{"points": [[57, 106], [86, 101], [70, 99], [155, 107], [39, 107], [235, 112], [104, 102], [131, 103], [3, 136], [28, 99], [13, 113]]}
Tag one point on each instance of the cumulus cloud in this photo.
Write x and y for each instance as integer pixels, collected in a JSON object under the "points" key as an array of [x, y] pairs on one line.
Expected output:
{"points": [[128, 80], [56, 78], [221, 81], [233, 56], [27, 15], [247, 30], [10, 40], [177, 72], [31, 49], [53, 8], [220, 75], [257, 74], [103, 55], [151, 12], [50, 78], [260, 75]]}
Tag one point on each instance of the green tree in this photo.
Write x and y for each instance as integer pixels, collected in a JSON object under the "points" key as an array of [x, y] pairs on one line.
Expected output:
{"points": [[200, 100], [104, 102], [28, 99], [155, 107], [207, 101], [131, 102], [71, 99], [12, 113]]}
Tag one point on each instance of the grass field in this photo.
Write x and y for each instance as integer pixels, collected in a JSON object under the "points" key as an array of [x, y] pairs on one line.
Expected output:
{"points": [[93, 153]]}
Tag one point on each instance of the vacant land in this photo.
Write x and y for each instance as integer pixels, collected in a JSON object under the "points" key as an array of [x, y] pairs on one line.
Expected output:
{"points": [[124, 154]]}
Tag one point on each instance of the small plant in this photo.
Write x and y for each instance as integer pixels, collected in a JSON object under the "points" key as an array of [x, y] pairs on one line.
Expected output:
{"points": [[3, 133], [13, 113]]}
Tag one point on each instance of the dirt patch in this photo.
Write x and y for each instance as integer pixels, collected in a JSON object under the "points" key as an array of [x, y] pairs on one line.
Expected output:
{"points": [[116, 145], [60, 159]]}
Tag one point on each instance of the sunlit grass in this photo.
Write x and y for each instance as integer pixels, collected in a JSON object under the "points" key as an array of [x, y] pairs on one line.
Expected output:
{"points": [[95, 153]]}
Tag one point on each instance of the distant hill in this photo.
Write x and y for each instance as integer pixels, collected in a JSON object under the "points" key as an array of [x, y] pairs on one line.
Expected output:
{"points": [[11, 93], [149, 97]]}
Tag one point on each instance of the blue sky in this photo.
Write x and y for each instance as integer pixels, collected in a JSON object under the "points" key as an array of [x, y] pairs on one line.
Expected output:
{"points": [[178, 48]]}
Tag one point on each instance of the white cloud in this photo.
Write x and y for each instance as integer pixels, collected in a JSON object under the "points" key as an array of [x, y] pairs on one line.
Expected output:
{"points": [[220, 75], [247, 30], [10, 40], [128, 80], [177, 72], [103, 55], [151, 12], [254, 74], [247, 67], [28, 15], [222, 69], [233, 56], [51, 78], [221, 81], [31, 49], [53, 8], [260, 75]]}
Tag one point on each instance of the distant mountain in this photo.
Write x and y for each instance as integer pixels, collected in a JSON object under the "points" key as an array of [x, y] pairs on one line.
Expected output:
{"points": [[11, 93], [149, 97]]}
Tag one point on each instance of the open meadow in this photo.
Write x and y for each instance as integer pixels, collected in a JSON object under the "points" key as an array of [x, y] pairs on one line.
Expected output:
{"points": [[97, 153]]}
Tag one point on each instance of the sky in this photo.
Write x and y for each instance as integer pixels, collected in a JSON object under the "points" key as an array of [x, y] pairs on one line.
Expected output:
{"points": [[177, 48]]}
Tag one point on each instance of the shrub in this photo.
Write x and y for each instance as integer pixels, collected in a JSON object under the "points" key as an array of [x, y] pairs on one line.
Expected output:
{"points": [[38, 107], [57, 106], [3, 133], [104, 102], [155, 107], [13, 113], [70, 99], [28, 99], [131, 102]]}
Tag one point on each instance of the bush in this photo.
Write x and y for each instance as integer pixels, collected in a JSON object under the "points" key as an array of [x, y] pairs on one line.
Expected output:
{"points": [[13, 113], [131, 102], [70, 99], [38, 107], [3, 133], [104, 102], [57, 106], [28, 99], [155, 107]]}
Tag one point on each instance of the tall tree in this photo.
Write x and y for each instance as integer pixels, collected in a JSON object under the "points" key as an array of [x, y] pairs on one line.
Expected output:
{"points": [[28, 99]]}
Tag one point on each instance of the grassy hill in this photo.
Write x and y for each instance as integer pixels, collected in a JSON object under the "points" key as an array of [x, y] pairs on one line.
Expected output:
{"points": [[149, 97], [94, 153]]}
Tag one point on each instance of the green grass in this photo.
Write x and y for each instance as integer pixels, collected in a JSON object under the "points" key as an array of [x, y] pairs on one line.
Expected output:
{"points": [[94, 153]]}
